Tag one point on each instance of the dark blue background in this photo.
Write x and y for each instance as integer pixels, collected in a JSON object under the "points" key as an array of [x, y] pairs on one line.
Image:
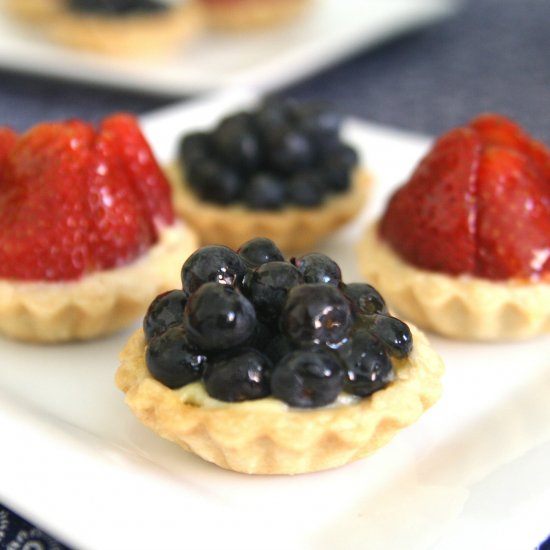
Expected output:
{"points": [[492, 56]]}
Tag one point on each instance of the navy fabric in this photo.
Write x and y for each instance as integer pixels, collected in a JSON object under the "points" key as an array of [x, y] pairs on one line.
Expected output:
{"points": [[16, 534], [491, 56]]}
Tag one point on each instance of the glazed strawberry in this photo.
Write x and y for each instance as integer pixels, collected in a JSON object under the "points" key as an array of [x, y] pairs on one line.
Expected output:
{"points": [[429, 221], [121, 228], [43, 232], [151, 184], [72, 200], [479, 203], [494, 129], [513, 216], [7, 140]]}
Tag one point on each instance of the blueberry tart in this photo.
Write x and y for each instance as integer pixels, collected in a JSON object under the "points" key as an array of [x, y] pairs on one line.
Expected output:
{"points": [[267, 366], [114, 27], [280, 172], [463, 248], [242, 15], [88, 235]]}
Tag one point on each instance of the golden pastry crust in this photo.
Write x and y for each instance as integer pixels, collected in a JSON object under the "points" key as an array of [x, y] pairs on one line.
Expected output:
{"points": [[142, 35], [33, 11], [98, 304], [294, 229], [266, 436], [253, 14], [461, 307]]}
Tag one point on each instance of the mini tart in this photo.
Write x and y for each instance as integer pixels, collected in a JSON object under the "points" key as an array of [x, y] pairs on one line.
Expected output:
{"points": [[292, 228], [268, 437], [141, 34], [99, 303], [241, 15], [462, 307]]}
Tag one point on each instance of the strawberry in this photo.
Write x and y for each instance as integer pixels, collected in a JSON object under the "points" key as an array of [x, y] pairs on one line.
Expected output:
{"points": [[479, 203], [120, 225], [429, 221], [494, 129], [74, 200], [150, 182], [513, 221], [7, 140], [43, 221]]}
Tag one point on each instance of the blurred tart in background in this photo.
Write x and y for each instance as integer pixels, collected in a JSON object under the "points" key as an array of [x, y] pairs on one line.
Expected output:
{"points": [[280, 171], [114, 27]]}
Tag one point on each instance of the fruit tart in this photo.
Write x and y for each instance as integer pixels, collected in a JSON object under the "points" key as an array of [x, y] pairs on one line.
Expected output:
{"points": [[114, 27], [463, 247], [280, 171], [87, 230], [240, 15], [267, 366]]}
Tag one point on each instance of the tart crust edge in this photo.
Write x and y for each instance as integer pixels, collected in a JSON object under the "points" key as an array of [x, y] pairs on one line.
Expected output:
{"points": [[293, 229], [250, 438], [135, 35], [254, 14], [99, 304]]}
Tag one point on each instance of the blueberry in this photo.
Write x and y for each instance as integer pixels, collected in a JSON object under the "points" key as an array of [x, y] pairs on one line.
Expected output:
{"points": [[260, 251], [318, 268], [265, 192], [367, 365], [269, 286], [119, 7], [346, 155], [364, 299], [193, 148], [166, 310], [262, 336], [237, 144], [172, 361], [306, 189], [241, 376], [215, 182], [315, 119], [393, 333], [218, 317], [278, 347], [338, 168], [310, 378], [213, 263], [288, 150], [316, 313], [271, 115]]}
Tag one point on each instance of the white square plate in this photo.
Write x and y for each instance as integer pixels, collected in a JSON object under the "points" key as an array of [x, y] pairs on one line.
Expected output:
{"points": [[331, 31], [471, 473]]}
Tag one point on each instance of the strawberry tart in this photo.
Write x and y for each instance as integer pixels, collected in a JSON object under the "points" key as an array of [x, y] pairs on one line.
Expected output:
{"points": [[87, 231], [463, 247]]}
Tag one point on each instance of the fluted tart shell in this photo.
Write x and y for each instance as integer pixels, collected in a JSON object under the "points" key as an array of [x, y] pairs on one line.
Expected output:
{"points": [[244, 15], [293, 228], [99, 303], [266, 436]]}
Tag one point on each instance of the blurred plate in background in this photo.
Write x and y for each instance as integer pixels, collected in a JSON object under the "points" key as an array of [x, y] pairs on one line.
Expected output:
{"points": [[331, 31]]}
